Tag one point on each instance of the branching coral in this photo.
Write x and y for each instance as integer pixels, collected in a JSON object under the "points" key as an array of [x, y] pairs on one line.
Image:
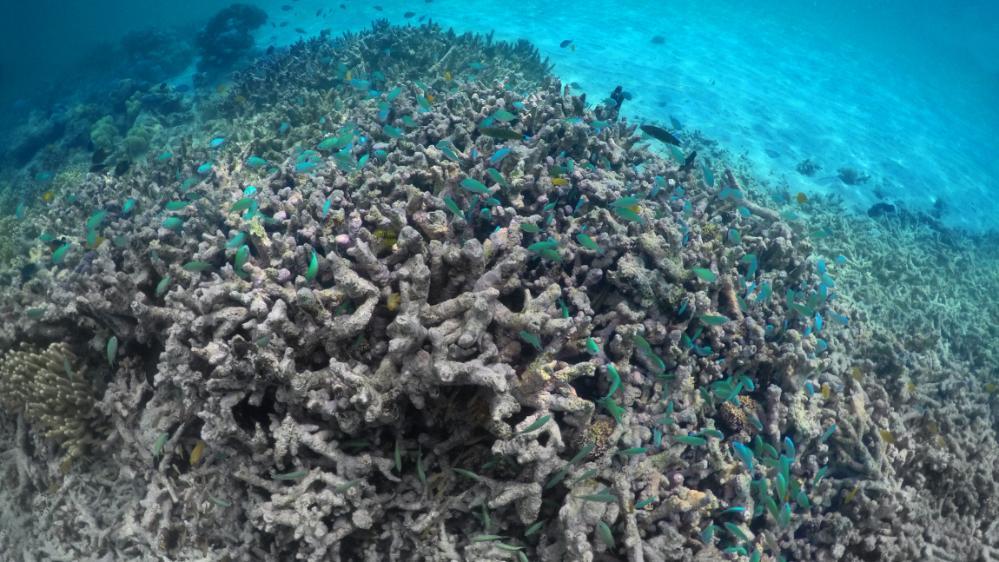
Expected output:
{"points": [[49, 388]]}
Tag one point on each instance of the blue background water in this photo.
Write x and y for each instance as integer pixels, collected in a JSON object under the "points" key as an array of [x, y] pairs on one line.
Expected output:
{"points": [[903, 91]]}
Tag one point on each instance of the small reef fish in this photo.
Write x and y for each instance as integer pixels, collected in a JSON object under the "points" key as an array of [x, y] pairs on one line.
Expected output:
{"points": [[163, 285], [197, 452], [660, 134], [196, 266], [172, 223], [565, 43], [313, 268], [503, 116], [499, 155], [255, 162], [216, 142], [112, 350], [500, 133], [474, 186]]}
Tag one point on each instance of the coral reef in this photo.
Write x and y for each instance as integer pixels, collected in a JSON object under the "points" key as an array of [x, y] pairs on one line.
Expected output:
{"points": [[400, 295]]}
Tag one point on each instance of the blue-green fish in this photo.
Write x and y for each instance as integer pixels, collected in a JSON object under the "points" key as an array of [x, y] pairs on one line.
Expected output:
{"points": [[96, 219], [60, 253], [236, 240], [532, 339], [172, 223], [112, 349], [164, 156], [216, 142], [313, 268], [196, 266], [242, 256], [504, 116], [475, 186], [205, 168], [255, 162], [163, 285], [176, 205], [452, 206], [128, 206], [587, 242], [394, 132]]}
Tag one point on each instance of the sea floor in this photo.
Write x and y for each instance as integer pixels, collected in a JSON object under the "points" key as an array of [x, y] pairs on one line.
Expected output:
{"points": [[779, 94]]}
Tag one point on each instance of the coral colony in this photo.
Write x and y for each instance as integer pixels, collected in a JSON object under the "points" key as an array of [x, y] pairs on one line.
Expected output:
{"points": [[402, 295]]}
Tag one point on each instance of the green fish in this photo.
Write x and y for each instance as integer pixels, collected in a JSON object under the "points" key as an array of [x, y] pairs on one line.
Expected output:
{"points": [[629, 201], [161, 440], [529, 227], [532, 339], [96, 219], [163, 285], [394, 132], [498, 177], [60, 253], [538, 424], [176, 205], [172, 223], [705, 274], [242, 205], [296, 475], [313, 269], [236, 240], [500, 133], [128, 206], [592, 347], [196, 266], [629, 215], [538, 247], [447, 149], [112, 350], [474, 186], [35, 313], [452, 206], [504, 116], [713, 319], [587, 242], [242, 256], [255, 162]]}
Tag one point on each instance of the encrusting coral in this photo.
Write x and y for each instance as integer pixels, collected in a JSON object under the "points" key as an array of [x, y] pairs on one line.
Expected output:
{"points": [[418, 302]]}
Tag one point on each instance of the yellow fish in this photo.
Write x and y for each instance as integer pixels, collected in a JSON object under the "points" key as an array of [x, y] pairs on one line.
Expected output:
{"points": [[447, 75], [430, 98], [826, 391], [560, 181], [197, 452], [801, 198], [348, 76], [48, 196]]}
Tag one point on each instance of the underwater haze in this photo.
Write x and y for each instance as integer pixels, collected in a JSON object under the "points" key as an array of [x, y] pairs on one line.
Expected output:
{"points": [[477, 280]]}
